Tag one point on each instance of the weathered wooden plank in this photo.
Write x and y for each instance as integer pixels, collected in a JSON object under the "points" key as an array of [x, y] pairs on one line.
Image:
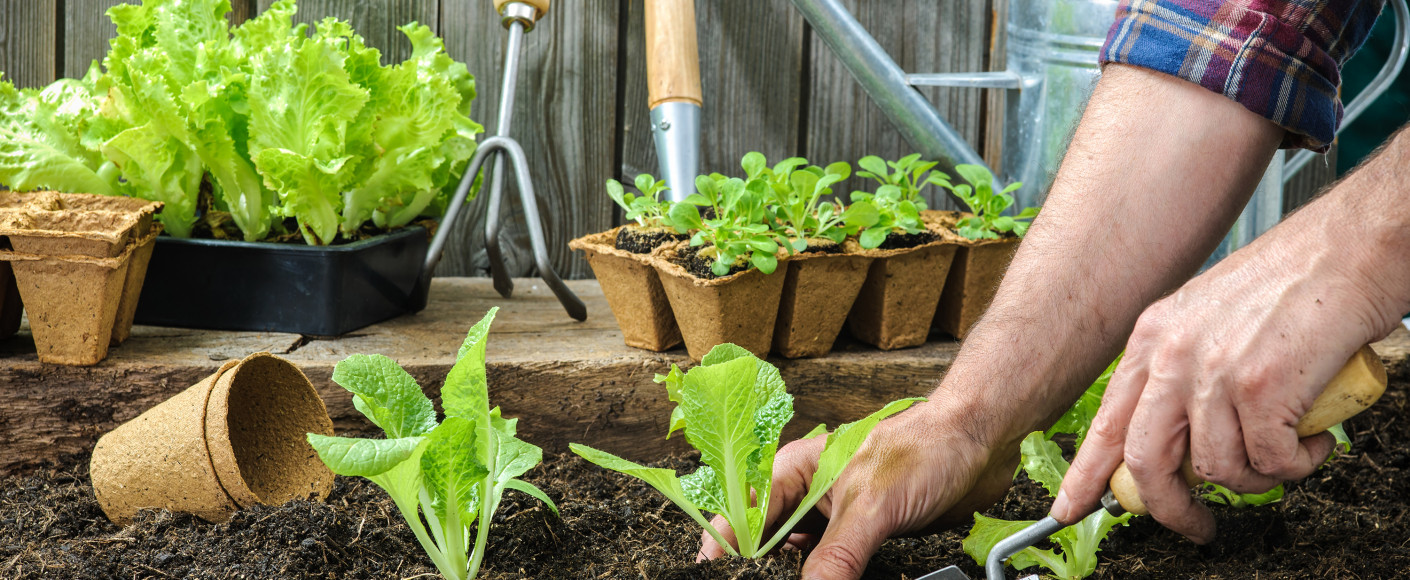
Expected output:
{"points": [[564, 116], [751, 59], [922, 36], [28, 42], [995, 100], [375, 20], [567, 381], [1319, 173]]}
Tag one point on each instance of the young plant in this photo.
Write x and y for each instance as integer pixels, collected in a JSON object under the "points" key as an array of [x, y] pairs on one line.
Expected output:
{"points": [[647, 209], [738, 231], [909, 173], [876, 216], [444, 478], [733, 408], [1042, 460], [988, 206], [795, 194]]}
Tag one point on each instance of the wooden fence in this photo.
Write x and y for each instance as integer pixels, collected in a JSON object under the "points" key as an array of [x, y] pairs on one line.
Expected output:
{"points": [[770, 86]]}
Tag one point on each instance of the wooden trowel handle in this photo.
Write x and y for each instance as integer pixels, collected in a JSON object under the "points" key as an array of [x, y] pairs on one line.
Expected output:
{"points": [[1355, 388], [540, 5], [672, 56]]}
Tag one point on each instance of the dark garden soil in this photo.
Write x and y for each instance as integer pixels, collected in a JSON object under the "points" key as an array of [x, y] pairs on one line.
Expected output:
{"points": [[1348, 521], [902, 241], [643, 241], [699, 266]]}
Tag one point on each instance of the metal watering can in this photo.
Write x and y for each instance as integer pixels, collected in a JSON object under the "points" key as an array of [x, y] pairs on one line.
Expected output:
{"points": [[1051, 49]]}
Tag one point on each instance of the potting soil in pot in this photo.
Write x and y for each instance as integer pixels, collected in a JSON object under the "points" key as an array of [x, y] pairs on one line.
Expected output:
{"points": [[1346, 521]]}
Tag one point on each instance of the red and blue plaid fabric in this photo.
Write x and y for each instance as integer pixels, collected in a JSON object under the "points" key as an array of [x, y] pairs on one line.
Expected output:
{"points": [[1278, 58]]}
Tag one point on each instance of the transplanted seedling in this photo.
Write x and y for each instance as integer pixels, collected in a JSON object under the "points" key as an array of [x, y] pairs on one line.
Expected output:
{"points": [[733, 408], [647, 209], [795, 196], [444, 478], [988, 205], [897, 203], [737, 231]]}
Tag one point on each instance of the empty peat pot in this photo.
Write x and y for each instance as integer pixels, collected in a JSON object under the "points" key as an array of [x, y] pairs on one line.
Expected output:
{"points": [[231, 441]]}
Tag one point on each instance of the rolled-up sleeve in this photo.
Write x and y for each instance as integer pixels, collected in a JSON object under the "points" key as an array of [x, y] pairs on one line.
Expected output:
{"points": [[1279, 59]]}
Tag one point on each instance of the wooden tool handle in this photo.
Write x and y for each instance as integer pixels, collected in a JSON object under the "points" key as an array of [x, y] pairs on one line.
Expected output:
{"points": [[672, 57], [1356, 387], [540, 5]]}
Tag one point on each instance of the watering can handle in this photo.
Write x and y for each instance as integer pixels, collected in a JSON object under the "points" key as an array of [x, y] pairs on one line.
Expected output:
{"points": [[1357, 386], [1395, 61], [540, 6]]}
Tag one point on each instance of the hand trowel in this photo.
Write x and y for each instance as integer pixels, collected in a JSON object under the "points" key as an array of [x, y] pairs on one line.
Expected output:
{"points": [[673, 89], [1355, 388]]}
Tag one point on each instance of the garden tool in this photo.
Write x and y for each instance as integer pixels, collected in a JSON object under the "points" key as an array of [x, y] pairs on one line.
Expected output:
{"points": [[519, 16], [673, 91], [1357, 386]]}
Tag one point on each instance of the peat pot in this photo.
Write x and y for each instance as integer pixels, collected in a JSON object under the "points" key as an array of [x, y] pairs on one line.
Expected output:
{"points": [[633, 291], [256, 286], [740, 308], [818, 292], [897, 301], [974, 276]]}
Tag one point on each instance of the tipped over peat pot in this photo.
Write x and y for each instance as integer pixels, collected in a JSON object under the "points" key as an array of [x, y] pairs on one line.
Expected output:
{"points": [[235, 439], [974, 278], [632, 287], [898, 299], [270, 287], [740, 308], [818, 291]]}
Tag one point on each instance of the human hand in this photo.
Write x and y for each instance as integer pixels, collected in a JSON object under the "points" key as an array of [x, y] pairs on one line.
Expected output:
{"points": [[1224, 368], [918, 472]]}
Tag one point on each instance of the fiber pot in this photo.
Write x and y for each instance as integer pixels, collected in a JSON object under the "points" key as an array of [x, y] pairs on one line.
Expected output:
{"points": [[818, 292], [233, 440], [132, 285], [974, 278], [898, 299], [740, 308], [633, 291]]}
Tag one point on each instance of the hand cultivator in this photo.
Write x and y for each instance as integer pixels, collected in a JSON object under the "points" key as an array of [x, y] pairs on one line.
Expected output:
{"points": [[519, 17], [1358, 385]]}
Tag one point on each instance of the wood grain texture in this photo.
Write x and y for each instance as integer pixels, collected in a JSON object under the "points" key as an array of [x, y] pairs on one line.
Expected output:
{"points": [[87, 30], [995, 100], [751, 59], [29, 42], [922, 36], [672, 54], [568, 381], [375, 20], [564, 115]]}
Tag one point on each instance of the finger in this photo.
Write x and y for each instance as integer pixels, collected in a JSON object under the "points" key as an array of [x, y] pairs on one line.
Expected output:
{"points": [[851, 539], [1101, 452], [709, 548], [1217, 450], [801, 542], [1155, 451], [1274, 448]]}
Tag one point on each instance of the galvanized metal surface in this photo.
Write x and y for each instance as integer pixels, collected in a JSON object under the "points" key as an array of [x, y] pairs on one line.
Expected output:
{"points": [[675, 126]]}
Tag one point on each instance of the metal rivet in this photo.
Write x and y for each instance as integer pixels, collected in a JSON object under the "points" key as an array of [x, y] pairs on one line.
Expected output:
{"points": [[665, 125]]}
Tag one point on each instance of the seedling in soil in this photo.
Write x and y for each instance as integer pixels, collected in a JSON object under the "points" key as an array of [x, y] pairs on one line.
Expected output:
{"points": [[897, 203], [737, 232], [909, 173], [733, 408], [647, 209], [988, 206], [444, 478], [795, 194]]}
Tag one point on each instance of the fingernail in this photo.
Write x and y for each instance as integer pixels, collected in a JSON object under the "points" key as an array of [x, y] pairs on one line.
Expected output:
{"points": [[1059, 504]]}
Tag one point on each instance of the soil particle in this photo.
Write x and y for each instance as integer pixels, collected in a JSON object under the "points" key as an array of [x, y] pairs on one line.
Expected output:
{"points": [[642, 241], [896, 241], [1347, 521]]}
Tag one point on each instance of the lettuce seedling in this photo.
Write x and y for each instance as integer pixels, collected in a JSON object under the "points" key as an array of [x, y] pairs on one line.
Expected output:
{"points": [[648, 210], [875, 216], [738, 231], [733, 408], [909, 173], [795, 192], [444, 478], [988, 206]]}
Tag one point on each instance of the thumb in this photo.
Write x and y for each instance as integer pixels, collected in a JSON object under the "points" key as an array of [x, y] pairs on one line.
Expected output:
{"points": [[851, 539]]}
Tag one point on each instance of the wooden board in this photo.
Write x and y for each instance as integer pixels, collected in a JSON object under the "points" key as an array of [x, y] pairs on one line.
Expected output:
{"points": [[922, 37], [564, 114], [29, 42], [751, 63], [567, 381]]}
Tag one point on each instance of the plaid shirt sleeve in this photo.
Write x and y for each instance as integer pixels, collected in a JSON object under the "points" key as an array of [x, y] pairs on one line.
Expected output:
{"points": [[1278, 58]]}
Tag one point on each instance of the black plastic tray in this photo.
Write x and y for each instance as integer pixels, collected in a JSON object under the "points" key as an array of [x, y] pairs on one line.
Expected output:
{"points": [[321, 291]]}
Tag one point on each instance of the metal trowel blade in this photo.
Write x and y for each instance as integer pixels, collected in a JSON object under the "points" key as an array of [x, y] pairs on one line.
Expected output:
{"points": [[949, 573]]}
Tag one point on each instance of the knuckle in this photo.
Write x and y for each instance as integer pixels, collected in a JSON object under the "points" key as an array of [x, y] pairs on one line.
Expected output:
{"points": [[841, 557], [1105, 429]]}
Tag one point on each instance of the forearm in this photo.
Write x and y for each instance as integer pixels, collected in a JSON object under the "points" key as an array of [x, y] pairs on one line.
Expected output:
{"points": [[1157, 172]]}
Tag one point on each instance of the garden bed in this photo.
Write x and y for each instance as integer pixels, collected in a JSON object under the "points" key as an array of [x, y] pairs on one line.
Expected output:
{"points": [[1347, 521]]}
